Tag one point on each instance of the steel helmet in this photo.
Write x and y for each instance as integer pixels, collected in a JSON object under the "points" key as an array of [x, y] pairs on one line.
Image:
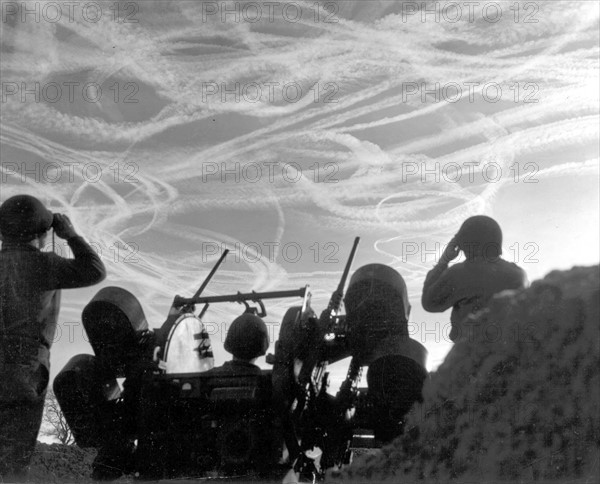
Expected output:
{"points": [[480, 235], [23, 218], [379, 285], [247, 337]]}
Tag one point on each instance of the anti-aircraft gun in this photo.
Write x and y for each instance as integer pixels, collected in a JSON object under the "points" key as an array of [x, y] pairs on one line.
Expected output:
{"points": [[172, 416], [320, 429], [175, 417], [306, 346]]}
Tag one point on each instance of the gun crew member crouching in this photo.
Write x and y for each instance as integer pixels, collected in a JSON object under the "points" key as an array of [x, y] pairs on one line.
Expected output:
{"points": [[30, 283], [247, 440], [378, 309], [247, 339], [468, 286]]}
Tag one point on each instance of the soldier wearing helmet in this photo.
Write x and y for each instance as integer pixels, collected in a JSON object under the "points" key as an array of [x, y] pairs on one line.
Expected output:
{"points": [[30, 283], [247, 339], [468, 286], [377, 311]]}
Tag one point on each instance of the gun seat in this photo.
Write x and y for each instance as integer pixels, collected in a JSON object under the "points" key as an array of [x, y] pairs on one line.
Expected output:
{"points": [[194, 422]]}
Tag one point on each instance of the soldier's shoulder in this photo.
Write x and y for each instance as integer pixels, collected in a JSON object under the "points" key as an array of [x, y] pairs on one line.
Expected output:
{"points": [[512, 266], [459, 268], [516, 271]]}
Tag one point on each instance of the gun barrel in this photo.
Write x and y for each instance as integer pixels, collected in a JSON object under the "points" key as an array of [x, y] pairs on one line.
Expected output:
{"points": [[240, 297], [211, 274], [336, 298], [348, 265]]}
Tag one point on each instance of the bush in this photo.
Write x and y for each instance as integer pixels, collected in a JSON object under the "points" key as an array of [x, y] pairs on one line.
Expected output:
{"points": [[59, 463]]}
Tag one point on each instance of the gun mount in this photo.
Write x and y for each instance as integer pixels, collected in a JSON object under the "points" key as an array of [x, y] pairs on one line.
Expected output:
{"points": [[175, 416]]}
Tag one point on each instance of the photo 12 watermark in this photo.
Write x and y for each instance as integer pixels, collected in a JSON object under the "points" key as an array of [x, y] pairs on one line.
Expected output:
{"points": [[68, 172], [272, 91], [270, 12], [69, 92], [268, 171], [428, 252], [470, 12], [74, 331], [290, 252], [248, 252], [69, 12], [469, 172], [473, 330], [117, 252], [423, 332], [518, 92]]}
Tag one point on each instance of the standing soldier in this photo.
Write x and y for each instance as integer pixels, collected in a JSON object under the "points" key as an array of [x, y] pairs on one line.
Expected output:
{"points": [[30, 283], [467, 287]]}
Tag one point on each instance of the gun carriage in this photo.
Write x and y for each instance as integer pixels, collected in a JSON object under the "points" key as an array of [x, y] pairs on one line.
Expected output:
{"points": [[174, 415]]}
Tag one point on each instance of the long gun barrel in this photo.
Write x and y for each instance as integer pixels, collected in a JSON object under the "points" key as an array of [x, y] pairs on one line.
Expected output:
{"points": [[211, 274], [312, 376], [240, 297], [186, 306], [189, 305], [342, 284], [315, 363], [336, 298]]}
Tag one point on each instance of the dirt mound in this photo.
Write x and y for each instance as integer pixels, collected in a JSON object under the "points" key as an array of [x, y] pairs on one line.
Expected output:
{"points": [[58, 463], [517, 397]]}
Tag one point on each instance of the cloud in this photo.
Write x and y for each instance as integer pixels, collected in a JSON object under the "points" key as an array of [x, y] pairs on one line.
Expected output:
{"points": [[342, 112]]}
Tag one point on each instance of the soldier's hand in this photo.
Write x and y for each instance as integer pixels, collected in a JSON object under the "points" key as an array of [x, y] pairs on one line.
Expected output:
{"points": [[451, 252], [63, 227]]}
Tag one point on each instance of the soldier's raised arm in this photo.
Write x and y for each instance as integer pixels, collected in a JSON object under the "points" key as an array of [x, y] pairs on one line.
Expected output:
{"points": [[439, 290], [84, 270]]}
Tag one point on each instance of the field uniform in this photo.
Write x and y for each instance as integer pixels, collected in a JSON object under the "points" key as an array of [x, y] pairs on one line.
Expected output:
{"points": [[30, 283], [236, 368], [468, 286]]}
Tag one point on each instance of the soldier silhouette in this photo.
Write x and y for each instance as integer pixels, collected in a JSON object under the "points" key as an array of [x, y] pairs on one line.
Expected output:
{"points": [[30, 283], [247, 438], [468, 286], [247, 339], [378, 310]]}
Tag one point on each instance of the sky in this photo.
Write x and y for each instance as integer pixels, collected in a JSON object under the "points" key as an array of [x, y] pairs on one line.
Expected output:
{"points": [[170, 130]]}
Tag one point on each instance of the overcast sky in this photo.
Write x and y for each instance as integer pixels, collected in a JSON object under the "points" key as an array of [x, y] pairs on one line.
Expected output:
{"points": [[170, 130]]}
